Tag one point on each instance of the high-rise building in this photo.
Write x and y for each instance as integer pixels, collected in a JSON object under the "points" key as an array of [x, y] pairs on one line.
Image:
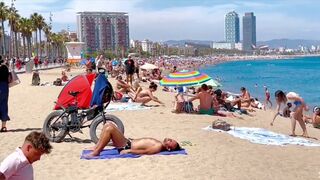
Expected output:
{"points": [[232, 32], [249, 32], [103, 30]]}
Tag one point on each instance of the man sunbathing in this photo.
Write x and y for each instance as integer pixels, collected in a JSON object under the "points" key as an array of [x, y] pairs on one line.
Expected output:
{"points": [[134, 146]]}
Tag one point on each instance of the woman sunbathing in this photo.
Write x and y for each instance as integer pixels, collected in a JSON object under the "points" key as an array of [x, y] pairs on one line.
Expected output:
{"points": [[145, 96]]}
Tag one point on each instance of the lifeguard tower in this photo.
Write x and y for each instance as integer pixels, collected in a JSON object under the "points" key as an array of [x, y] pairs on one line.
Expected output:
{"points": [[74, 52]]}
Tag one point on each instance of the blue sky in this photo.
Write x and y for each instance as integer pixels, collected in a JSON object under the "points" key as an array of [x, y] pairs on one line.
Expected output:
{"points": [[161, 20]]}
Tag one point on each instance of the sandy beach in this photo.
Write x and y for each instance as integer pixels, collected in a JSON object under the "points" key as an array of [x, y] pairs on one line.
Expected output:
{"points": [[211, 155]]}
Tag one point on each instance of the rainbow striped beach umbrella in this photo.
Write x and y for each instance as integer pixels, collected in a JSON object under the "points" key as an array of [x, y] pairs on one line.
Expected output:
{"points": [[190, 78]]}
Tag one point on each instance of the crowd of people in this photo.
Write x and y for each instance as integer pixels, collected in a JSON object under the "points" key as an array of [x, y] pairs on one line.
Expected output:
{"points": [[211, 102]]}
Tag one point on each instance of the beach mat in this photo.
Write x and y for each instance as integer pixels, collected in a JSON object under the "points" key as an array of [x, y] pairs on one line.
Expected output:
{"points": [[263, 136], [113, 154], [125, 106]]}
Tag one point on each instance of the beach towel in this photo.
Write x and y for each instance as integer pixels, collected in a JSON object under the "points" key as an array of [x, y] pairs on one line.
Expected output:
{"points": [[113, 153], [99, 89], [125, 106], [263, 136]]}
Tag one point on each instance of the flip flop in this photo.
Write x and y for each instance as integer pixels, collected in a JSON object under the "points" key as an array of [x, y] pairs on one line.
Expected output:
{"points": [[3, 129]]}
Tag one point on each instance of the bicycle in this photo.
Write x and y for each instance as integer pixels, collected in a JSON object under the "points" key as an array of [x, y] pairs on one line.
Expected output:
{"points": [[60, 123]]}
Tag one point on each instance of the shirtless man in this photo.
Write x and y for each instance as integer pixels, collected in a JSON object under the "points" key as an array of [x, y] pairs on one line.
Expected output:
{"points": [[134, 146], [245, 98], [206, 100], [145, 96]]}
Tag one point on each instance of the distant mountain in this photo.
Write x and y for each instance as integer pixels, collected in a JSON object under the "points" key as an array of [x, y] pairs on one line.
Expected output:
{"points": [[274, 43], [289, 43], [181, 43]]}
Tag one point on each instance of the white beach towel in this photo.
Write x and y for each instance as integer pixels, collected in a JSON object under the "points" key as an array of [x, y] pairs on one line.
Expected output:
{"points": [[263, 136], [125, 106]]}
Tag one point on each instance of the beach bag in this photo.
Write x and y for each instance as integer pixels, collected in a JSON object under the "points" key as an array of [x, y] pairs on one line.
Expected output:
{"points": [[14, 79], [57, 82], [188, 107], [35, 79], [220, 124]]}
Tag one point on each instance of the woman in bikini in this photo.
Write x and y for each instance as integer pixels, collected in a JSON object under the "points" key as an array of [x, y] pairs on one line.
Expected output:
{"points": [[145, 96], [296, 114], [267, 97]]}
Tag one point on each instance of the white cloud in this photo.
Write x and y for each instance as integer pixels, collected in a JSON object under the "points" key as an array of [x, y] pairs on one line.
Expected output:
{"points": [[193, 22]]}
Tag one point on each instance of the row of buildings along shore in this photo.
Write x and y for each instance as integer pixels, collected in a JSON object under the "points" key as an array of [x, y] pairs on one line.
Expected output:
{"points": [[101, 31], [110, 30]]}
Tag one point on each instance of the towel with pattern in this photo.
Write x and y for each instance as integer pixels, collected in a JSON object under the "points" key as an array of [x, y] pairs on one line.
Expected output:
{"points": [[263, 136]]}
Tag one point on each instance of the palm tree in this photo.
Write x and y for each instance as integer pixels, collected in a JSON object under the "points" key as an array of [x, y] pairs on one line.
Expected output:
{"points": [[40, 23], [26, 31], [23, 22], [48, 33], [13, 19], [34, 18], [3, 17], [57, 41]]}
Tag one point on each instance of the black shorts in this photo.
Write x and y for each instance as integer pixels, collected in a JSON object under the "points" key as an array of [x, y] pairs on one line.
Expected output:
{"points": [[127, 146], [129, 71], [136, 70]]}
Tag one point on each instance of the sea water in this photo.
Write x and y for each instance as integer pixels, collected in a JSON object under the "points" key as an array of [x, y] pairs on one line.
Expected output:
{"points": [[300, 75]]}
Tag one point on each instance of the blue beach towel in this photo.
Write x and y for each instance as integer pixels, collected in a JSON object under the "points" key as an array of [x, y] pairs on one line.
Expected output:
{"points": [[113, 153], [263, 136]]}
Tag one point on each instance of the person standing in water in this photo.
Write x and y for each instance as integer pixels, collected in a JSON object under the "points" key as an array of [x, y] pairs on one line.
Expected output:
{"points": [[267, 97]]}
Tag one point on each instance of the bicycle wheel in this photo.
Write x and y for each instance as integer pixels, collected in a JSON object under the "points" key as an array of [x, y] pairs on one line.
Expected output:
{"points": [[55, 129], [98, 123]]}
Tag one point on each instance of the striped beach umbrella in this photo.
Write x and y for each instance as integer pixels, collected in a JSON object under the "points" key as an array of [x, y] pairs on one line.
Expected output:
{"points": [[190, 78]]}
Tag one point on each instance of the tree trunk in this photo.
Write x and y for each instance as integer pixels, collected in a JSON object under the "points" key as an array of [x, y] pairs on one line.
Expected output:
{"points": [[29, 47], [24, 46], [40, 45], [16, 44], [36, 44], [3, 39]]}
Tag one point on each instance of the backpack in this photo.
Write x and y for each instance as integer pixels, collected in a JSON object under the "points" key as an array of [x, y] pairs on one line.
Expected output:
{"points": [[35, 79], [188, 107], [57, 82]]}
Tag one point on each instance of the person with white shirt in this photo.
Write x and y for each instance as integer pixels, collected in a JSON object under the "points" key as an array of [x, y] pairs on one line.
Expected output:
{"points": [[18, 165]]}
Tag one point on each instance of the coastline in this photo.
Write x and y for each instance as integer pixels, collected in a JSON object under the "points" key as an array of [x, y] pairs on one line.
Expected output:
{"points": [[224, 59], [211, 155]]}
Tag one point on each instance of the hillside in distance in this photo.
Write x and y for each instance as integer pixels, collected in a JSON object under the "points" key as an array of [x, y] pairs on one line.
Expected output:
{"points": [[274, 43]]}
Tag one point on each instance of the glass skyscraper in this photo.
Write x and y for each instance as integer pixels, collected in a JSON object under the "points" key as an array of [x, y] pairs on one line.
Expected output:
{"points": [[232, 33], [249, 32]]}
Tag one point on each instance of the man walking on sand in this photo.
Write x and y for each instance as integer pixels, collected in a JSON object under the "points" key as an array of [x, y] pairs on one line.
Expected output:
{"points": [[18, 165]]}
